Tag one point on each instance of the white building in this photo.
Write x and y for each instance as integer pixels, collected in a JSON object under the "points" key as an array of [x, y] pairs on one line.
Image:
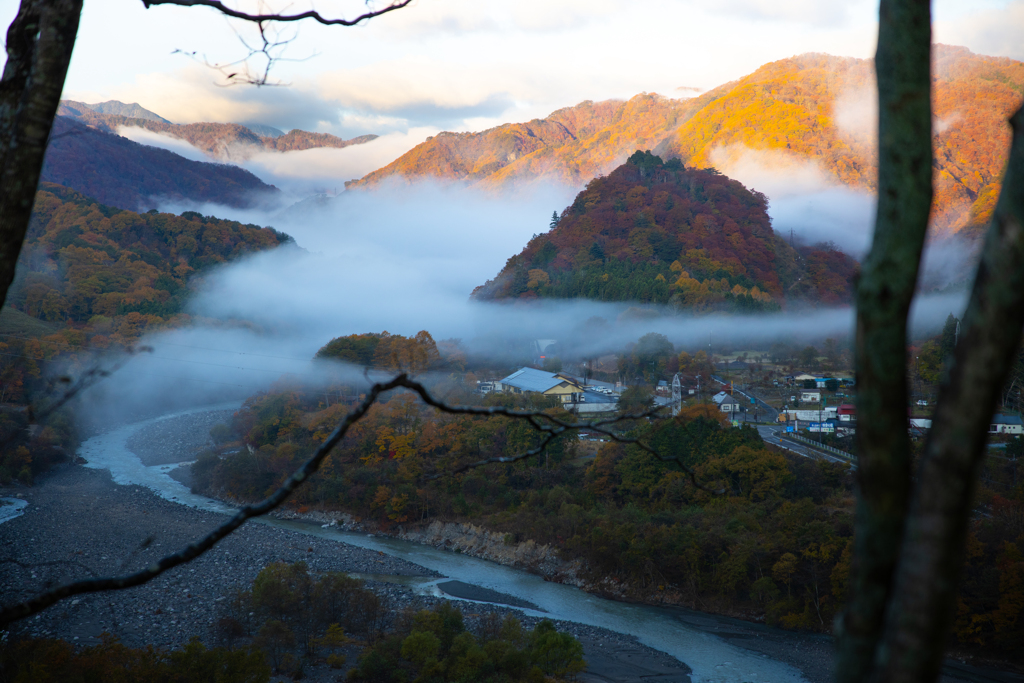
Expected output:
{"points": [[1005, 424]]}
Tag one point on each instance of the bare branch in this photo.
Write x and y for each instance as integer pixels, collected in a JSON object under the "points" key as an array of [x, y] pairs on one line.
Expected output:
{"points": [[257, 18], [556, 427], [552, 428]]}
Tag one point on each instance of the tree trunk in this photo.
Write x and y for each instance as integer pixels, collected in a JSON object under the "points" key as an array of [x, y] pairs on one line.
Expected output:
{"points": [[39, 45], [884, 293], [923, 603]]}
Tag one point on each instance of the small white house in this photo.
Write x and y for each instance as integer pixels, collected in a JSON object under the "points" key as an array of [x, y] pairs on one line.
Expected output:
{"points": [[729, 405], [1005, 424], [810, 396]]}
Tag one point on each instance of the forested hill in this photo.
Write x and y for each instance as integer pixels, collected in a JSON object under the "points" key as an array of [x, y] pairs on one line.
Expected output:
{"points": [[95, 267], [119, 172], [222, 141], [663, 233], [812, 107]]}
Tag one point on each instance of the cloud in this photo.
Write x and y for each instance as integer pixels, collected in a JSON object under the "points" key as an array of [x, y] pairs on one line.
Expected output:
{"points": [[802, 197], [855, 113], [298, 173], [404, 259], [326, 168], [811, 12], [990, 31], [169, 142], [192, 94]]}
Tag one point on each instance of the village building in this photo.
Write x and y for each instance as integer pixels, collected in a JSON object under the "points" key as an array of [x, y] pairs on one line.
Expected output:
{"points": [[1006, 424], [529, 380], [810, 396]]}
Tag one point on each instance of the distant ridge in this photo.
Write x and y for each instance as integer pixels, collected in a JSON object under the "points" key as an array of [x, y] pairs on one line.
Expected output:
{"points": [[132, 110], [809, 108], [119, 172], [222, 141]]}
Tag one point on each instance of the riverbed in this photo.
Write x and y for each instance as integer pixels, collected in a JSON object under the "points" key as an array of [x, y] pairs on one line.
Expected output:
{"points": [[714, 648]]}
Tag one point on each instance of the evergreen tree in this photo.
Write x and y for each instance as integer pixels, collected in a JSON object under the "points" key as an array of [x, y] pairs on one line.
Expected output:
{"points": [[554, 220], [948, 343]]}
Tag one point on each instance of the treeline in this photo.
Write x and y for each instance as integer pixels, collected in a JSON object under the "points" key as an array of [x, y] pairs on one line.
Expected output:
{"points": [[775, 546], [658, 232]]}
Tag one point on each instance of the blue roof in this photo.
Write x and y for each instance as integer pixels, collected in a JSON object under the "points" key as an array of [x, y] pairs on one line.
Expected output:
{"points": [[529, 379], [1006, 420]]}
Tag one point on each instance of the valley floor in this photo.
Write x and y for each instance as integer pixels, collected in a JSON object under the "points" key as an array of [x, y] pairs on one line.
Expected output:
{"points": [[78, 523]]}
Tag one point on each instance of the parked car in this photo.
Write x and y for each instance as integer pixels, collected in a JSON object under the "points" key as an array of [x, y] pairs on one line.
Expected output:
{"points": [[922, 402]]}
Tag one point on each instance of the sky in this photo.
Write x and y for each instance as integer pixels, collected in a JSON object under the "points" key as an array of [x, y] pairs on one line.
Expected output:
{"points": [[468, 65]]}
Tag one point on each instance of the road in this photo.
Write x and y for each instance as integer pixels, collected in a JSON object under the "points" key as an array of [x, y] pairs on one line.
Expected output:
{"points": [[771, 434], [765, 412]]}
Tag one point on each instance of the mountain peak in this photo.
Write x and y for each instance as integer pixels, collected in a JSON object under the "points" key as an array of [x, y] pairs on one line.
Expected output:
{"points": [[132, 111]]}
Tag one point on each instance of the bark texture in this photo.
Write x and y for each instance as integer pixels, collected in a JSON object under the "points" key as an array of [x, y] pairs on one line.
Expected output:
{"points": [[884, 293], [922, 607], [39, 45]]}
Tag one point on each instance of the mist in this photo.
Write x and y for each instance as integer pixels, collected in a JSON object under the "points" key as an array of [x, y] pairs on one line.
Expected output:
{"points": [[299, 173], [405, 259]]}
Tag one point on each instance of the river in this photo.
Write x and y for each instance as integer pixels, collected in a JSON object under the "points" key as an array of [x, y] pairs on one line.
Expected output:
{"points": [[710, 657]]}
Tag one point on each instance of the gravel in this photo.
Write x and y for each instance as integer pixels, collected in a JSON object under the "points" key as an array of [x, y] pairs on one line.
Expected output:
{"points": [[79, 524], [176, 439]]}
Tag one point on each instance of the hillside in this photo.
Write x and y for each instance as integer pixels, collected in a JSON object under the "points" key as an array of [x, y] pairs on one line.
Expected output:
{"points": [[119, 172], [220, 140], [811, 107], [664, 233], [84, 263]]}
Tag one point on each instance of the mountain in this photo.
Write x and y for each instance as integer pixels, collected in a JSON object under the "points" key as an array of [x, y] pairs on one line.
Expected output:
{"points": [[264, 131], [119, 172], [663, 233], [810, 108], [132, 111], [222, 141]]}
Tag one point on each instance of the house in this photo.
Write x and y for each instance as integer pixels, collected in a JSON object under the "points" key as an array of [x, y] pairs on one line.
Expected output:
{"points": [[1006, 424], [729, 405], [847, 412], [810, 396], [663, 388], [801, 378], [719, 397], [529, 380]]}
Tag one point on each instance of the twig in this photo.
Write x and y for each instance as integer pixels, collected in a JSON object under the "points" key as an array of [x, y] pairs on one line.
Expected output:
{"points": [[257, 18]]}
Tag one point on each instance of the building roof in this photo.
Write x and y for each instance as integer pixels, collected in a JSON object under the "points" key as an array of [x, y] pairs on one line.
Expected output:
{"points": [[529, 379], [805, 376], [728, 400], [719, 397], [999, 419], [847, 409]]}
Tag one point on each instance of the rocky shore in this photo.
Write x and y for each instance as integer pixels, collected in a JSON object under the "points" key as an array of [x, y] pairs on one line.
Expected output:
{"points": [[77, 524]]}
